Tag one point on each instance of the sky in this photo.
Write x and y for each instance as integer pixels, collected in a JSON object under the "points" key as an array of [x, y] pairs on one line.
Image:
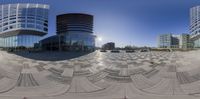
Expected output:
{"points": [[125, 22]]}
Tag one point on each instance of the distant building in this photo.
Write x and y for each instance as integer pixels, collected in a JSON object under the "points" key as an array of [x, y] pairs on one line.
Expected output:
{"points": [[195, 26], [22, 25], [184, 41], [74, 33], [174, 41], [109, 46], [167, 41]]}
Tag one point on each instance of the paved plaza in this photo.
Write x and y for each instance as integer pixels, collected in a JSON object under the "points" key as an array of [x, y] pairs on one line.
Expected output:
{"points": [[99, 75]]}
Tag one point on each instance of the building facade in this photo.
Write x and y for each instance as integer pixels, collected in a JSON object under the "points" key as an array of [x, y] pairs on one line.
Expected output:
{"points": [[165, 41], [74, 32], [174, 41], [109, 46], [195, 26], [184, 41], [22, 25]]}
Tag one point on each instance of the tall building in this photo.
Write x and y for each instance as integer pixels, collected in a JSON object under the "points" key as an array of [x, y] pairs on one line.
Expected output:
{"points": [[195, 25], [174, 41], [184, 41], [109, 46], [22, 25], [165, 41], [74, 32]]}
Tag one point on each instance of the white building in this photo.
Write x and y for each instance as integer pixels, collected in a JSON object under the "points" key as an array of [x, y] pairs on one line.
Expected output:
{"points": [[174, 41], [22, 24], [195, 25]]}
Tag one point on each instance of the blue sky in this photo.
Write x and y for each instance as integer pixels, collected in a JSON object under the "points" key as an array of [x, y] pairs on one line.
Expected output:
{"points": [[125, 22]]}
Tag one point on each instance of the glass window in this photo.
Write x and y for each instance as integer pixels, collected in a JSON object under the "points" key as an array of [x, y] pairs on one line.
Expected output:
{"points": [[30, 21], [31, 18], [39, 12], [39, 22], [45, 13], [21, 17], [22, 21], [5, 20], [30, 26], [45, 29], [39, 27], [21, 25], [12, 26], [12, 18], [45, 24], [11, 22], [5, 28]]}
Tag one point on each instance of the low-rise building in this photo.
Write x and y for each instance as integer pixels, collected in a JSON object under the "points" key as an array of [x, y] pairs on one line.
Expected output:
{"points": [[174, 41], [109, 46]]}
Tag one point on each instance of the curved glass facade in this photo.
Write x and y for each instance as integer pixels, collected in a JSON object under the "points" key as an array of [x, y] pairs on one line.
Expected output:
{"points": [[76, 30], [74, 39], [74, 22], [195, 25], [21, 24], [20, 40]]}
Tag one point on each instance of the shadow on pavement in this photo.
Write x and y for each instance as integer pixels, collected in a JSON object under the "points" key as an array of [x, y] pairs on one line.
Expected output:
{"points": [[50, 56]]}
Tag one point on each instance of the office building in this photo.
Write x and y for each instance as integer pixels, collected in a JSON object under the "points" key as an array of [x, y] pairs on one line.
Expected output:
{"points": [[165, 41], [74, 33], [195, 26], [174, 41], [184, 41], [109, 46], [22, 25]]}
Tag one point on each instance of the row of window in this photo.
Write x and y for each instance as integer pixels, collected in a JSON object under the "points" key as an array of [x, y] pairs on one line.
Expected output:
{"points": [[20, 40], [38, 27], [80, 39], [197, 43], [23, 18], [25, 11]]}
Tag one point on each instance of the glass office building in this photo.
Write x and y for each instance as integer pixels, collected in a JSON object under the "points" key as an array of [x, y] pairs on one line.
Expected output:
{"points": [[168, 41], [77, 31], [195, 26], [74, 32], [165, 41], [22, 24]]}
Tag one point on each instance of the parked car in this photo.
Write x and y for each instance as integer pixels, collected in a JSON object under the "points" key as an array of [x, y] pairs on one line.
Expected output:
{"points": [[10, 50], [143, 50], [115, 51], [103, 50], [130, 51]]}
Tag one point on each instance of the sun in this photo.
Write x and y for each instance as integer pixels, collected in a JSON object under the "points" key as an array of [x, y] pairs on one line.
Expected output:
{"points": [[99, 39]]}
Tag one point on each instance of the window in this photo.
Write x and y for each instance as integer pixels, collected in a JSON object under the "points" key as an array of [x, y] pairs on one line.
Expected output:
{"points": [[39, 27], [21, 25], [5, 20], [45, 29], [30, 26], [30, 21], [21, 18], [11, 22], [12, 26], [5, 28], [12, 18], [22, 21], [45, 24], [31, 18], [4, 24], [39, 22]]}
